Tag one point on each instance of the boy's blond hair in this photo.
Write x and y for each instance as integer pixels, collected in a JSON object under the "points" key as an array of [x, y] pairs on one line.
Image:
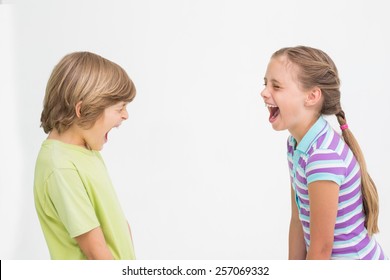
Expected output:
{"points": [[83, 76]]}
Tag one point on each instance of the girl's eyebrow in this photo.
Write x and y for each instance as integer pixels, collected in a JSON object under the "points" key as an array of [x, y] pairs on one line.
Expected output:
{"points": [[272, 80]]}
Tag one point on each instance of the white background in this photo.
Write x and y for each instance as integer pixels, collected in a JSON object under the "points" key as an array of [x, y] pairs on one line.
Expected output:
{"points": [[198, 169]]}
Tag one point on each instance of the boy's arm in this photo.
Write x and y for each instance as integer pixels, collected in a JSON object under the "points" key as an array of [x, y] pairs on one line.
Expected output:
{"points": [[94, 246], [323, 196], [131, 235], [296, 242]]}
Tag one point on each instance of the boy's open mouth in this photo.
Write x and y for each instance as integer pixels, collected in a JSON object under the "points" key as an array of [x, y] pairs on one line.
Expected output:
{"points": [[106, 136]]}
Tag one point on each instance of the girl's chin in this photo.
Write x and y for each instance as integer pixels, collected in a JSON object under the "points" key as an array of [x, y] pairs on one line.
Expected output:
{"points": [[277, 127]]}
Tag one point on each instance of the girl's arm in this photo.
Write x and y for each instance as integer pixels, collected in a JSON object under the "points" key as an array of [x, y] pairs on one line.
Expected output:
{"points": [[323, 197], [296, 243], [94, 246]]}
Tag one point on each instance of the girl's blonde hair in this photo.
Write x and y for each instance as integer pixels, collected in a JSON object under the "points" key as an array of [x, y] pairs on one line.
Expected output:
{"points": [[83, 76], [316, 69]]}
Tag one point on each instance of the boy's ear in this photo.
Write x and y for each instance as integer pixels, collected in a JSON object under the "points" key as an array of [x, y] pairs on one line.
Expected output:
{"points": [[78, 108], [313, 97]]}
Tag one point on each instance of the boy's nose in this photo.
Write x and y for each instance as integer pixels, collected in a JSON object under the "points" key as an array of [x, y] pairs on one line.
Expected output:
{"points": [[125, 114]]}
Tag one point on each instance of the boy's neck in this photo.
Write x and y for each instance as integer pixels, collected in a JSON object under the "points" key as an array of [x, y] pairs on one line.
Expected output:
{"points": [[71, 136]]}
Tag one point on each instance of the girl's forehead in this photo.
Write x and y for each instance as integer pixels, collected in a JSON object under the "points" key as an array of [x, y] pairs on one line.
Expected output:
{"points": [[280, 66]]}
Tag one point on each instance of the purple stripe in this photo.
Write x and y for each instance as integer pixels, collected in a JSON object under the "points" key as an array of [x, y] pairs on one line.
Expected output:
{"points": [[345, 250], [305, 212], [301, 179], [301, 191], [303, 201], [340, 213], [372, 253], [352, 165], [350, 195], [362, 244], [343, 237], [322, 157], [301, 163], [382, 255], [335, 141], [324, 130], [345, 151], [351, 182], [306, 225], [321, 140], [354, 249], [349, 208], [350, 222]]}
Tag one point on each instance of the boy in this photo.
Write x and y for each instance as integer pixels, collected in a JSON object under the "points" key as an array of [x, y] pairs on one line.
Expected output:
{"points": [[80, 215]]}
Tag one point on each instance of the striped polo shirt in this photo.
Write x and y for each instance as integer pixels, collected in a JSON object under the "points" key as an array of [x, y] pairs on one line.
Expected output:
{"points": [[323, 155]]}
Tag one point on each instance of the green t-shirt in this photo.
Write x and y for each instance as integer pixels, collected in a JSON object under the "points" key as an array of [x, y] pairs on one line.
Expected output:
{"points": [[73, 195]]}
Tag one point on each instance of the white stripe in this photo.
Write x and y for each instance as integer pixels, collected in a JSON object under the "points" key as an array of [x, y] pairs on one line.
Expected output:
{"points": [[348, 229], [349, 215], [348, 158], [350, 201], [351, 242], [366, 250], [328, 139], [354, 185], [340, 147]]}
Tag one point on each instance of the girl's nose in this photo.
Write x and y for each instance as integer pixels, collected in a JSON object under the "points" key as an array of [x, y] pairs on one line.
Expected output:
{"points": [[264, 93]]}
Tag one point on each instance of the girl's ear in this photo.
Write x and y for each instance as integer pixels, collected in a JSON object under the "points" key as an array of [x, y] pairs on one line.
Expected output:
{"points": [[78, 108], [313, 97]]}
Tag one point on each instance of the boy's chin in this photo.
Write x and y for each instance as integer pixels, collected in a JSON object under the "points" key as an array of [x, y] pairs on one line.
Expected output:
{"points": [[96, 147]]}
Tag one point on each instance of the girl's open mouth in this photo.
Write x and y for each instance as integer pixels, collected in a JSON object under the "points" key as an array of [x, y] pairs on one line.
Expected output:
{"points": [[274, 112]]}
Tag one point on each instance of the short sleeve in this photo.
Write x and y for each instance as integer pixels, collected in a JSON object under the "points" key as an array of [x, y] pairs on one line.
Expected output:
{"points": [[71, 202], [325, 165]]}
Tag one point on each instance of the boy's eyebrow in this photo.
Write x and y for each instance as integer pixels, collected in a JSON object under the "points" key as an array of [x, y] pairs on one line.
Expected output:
{"points": [[121, 104]]}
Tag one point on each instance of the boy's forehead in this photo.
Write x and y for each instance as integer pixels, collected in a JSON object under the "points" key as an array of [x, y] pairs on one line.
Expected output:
{"points": [[120, 104]]}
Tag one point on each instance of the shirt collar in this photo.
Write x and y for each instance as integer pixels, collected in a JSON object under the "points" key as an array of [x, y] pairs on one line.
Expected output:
{"points": [[312, 135]]}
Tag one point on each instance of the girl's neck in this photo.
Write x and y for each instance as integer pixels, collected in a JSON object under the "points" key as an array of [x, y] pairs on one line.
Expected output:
{"points": [[301, 131]]}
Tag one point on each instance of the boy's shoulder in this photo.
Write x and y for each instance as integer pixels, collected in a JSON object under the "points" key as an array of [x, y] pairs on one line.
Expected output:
{"points": [[58, 155]]}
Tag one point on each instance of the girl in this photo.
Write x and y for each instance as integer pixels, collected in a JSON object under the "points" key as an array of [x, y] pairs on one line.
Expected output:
{"points": [[334, 200]]}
